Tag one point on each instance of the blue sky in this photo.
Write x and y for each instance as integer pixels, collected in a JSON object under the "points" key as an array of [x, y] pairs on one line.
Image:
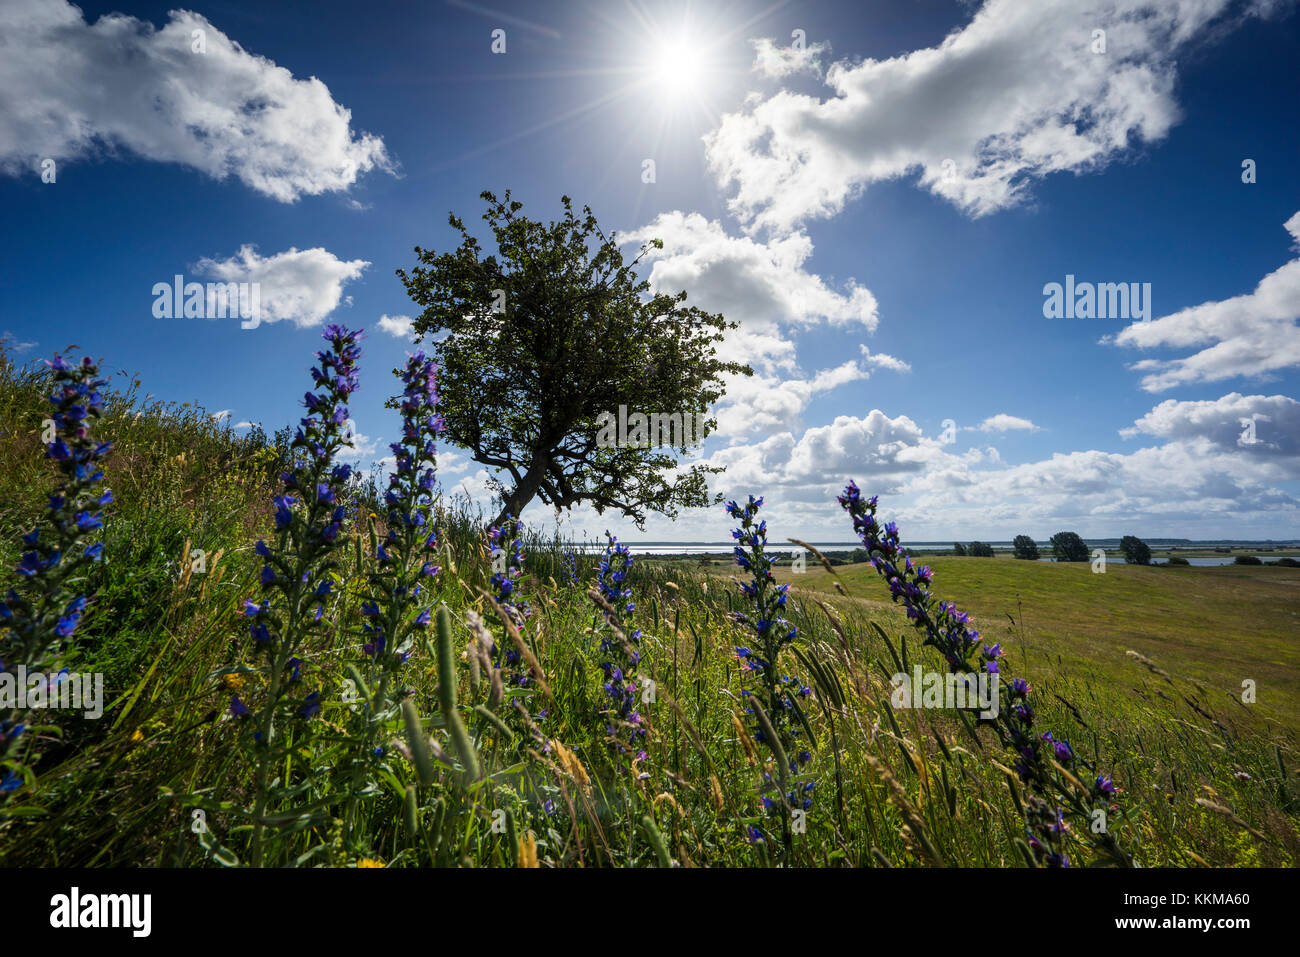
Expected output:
{"points": [[879, 201]]}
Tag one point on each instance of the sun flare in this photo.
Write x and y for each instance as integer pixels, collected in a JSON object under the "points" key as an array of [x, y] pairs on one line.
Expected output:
{"points": [[677, 66]]}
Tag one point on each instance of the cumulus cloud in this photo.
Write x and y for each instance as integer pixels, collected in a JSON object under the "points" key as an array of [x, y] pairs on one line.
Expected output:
{"points": [[768, 290], [760, 285], [1253, 335], [1189, 487], [1256, 424], [1005, 423], [777, 62], [71, 89], [761, 404], [883, 361], [397, 326], [1196, 484], [1015, 95], [304, 286], [875, 446]]}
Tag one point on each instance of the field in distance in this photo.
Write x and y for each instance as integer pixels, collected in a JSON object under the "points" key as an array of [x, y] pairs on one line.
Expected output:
{"points": [[1217, 625]]}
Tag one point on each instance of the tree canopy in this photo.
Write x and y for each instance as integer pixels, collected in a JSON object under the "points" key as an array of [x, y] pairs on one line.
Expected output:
{"points": [[1025, 547], [542, 342], [1136, 551], [1069, 547]]}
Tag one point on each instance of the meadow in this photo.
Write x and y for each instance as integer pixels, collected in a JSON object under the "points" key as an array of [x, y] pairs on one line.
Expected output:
{"points": [[507, 729]]}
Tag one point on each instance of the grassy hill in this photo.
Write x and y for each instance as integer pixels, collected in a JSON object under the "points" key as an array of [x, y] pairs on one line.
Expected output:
{"points": [[1205, 780]]}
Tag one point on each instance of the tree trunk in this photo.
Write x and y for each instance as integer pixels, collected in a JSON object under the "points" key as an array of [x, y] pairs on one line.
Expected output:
{"points": [[523, 493]]}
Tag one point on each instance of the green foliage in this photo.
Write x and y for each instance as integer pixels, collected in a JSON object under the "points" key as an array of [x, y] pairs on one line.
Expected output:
{"points": [[1025, 548], [1069, 547], [547, 334], [980, 550], [1136, 551], [958, 549]]}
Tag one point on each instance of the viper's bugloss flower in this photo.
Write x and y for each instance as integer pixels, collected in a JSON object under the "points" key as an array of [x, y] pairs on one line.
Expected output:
{"points": [[778, 693], [506, 551], [394, 603], [948, 631], [44, 610], [621, 648], [298, 561], [310, 705], [569, 566]]}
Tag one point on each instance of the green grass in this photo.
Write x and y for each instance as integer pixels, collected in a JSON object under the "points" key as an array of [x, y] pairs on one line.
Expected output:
{"points": [[122, 791], [1214, 625]]}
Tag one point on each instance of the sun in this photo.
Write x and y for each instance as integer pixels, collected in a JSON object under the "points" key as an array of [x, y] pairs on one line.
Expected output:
{"points": [[678, 66]]}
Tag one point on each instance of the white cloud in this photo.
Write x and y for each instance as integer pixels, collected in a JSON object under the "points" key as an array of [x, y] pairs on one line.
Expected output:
{"points": [[1189, 488], [219, 416], [1224, 423], [71, 89], [476, 490], [1200, 483], [766, 289], [759, 285], [397, 326], [761, 404], [357, 445], [1253, 335], [17, 346], [871, 446], [452, 460], [883, 361], [1015, 95], [302, 285], [778, 62], [1005, 423]]}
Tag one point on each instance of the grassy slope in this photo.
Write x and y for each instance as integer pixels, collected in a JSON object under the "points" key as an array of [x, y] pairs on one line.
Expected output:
{"points": [[113, 791]]}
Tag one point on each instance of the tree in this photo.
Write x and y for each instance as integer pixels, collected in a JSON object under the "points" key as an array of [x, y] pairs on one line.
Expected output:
{"points": [[1026, 548], [544, 342], [958, 548], [1069, 547], [980, 550], [1136, 551]]}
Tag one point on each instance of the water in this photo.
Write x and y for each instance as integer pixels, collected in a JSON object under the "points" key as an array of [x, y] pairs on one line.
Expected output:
{"points": [[720, 548], [1197, 562], [785, 548]]}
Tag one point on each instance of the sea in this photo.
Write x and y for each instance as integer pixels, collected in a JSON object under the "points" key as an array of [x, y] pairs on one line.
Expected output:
{"points": [[1271, 551]]}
